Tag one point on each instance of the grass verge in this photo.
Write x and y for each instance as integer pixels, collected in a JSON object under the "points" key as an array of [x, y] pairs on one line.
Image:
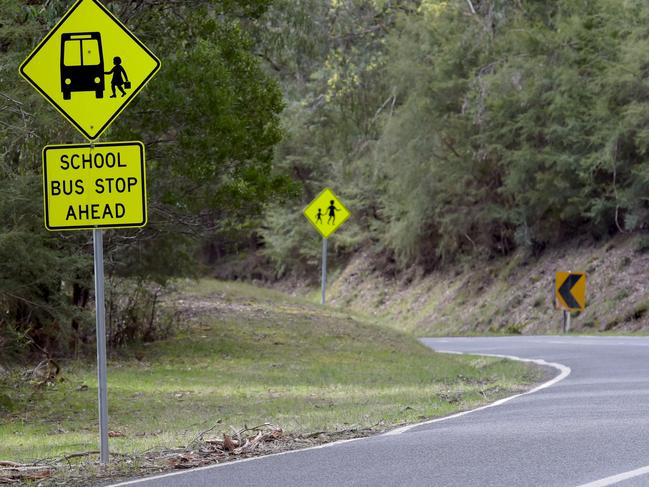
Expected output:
{"points": [[248, 356]]}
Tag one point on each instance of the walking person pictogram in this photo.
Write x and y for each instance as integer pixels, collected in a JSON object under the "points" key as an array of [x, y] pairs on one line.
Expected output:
{"points": [[319, 216], [120, 79], [332, 213]]}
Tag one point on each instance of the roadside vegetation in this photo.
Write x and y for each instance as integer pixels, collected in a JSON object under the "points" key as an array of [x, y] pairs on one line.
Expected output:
{"points": [[479, 144], [510, 295], [246, 357]]}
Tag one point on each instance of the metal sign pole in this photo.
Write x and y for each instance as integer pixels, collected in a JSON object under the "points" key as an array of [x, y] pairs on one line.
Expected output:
{"points": [[566, 321], [324, 269], [98, 243]]}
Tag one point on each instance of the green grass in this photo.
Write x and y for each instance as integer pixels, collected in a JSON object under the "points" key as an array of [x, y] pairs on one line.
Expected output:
{"points": [[246, 356]]}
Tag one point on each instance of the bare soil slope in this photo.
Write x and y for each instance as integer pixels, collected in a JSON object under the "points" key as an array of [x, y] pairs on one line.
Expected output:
{"points": [[509, 295]]}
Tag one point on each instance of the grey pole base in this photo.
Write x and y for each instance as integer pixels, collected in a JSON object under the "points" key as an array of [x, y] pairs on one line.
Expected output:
{"points": [[566, 321]]}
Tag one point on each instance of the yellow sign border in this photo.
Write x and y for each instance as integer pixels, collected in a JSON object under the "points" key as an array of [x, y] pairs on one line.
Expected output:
{"points": [[349, 213], [127, 101], [87, 146]]}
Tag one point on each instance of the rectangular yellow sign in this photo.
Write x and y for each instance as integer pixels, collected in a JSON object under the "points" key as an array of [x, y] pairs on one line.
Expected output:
{"points": [[94, 186], [570, 290]]}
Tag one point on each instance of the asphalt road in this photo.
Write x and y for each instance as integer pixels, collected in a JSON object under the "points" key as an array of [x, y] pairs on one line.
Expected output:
{"points": [[581, 431]]}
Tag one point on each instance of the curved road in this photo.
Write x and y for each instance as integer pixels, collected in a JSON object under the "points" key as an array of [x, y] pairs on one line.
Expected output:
{"points": [[591, 429]]}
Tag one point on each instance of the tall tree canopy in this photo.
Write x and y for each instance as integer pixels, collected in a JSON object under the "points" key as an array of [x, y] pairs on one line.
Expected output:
{"points": [[475, 127]]}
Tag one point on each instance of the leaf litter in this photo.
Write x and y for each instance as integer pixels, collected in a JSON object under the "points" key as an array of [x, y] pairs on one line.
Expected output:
{"points": [[202, 451]]}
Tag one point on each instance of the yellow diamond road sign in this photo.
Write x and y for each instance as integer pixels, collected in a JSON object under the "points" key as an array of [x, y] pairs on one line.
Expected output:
{"points": [[89, 66], [94, 186], [326, 213]]}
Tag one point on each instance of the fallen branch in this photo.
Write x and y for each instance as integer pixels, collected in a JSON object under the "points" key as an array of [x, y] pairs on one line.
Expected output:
{"points": [[199, 437], [15, 474], [257, 428], [81, 454], [249, 445]]}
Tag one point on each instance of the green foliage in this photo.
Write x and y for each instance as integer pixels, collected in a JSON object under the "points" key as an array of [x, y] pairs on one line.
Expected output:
{"points": [[212, 115], [37, 274], [331, 65], [135, 312], [641, 245], [521, 124]]}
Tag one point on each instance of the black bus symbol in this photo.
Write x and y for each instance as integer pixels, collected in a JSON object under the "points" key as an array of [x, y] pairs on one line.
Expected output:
{"points": [[82, 64]]}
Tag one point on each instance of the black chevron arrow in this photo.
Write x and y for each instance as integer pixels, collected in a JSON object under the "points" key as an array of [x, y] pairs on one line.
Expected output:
{"points": [[566, 287]]}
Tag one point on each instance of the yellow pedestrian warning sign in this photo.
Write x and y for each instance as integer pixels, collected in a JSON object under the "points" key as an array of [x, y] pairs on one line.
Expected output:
{"points": [[326, 213], [94, 186], [89, 66], [570, 290]]}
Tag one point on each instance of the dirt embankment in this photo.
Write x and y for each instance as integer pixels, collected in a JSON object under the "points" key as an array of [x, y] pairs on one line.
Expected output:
{"points": [[509, 295]]}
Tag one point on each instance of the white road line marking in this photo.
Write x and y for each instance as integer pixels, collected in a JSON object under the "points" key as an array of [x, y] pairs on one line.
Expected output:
{"points": [[226, 464], [614, 479], [564, 372]]}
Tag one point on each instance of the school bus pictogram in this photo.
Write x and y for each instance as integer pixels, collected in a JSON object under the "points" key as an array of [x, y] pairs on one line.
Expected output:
{"points": [[82, 64]]}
